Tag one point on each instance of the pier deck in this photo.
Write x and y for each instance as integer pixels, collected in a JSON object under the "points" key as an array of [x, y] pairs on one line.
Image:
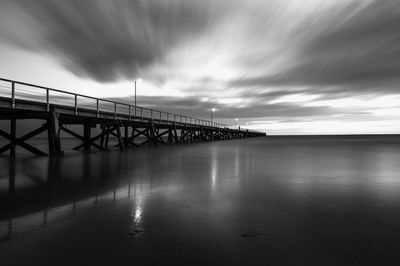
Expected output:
{"points": [[100, 119]]}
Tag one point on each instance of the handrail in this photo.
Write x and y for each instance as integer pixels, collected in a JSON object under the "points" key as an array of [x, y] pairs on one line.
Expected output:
{"points": [[153, 112]]}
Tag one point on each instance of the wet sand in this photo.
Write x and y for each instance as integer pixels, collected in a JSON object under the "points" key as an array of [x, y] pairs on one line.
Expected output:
{"points": [[262, 201]]}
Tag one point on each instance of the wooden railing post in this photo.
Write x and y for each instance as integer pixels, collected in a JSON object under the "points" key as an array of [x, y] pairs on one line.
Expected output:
{"points": [[12, 95], [76, 104], [47, 100], [97, 108]]}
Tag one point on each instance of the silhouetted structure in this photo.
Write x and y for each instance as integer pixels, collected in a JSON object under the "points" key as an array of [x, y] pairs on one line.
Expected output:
{"points": [[129, 124]]}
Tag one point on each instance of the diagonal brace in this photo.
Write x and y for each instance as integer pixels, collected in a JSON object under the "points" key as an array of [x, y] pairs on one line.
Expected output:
{"points": [[21, 141]]}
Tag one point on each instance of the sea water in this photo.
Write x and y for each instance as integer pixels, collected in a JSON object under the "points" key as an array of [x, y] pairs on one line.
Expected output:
{"points": [[301, 200]]}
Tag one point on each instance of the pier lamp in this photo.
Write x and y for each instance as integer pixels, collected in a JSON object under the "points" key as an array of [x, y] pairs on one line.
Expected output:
{"points": [[136, 81], [212, 111]]}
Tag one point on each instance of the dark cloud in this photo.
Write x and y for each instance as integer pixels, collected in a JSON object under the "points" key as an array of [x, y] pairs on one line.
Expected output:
{"points": [[361, 50], [356, 52], [104, 40]]}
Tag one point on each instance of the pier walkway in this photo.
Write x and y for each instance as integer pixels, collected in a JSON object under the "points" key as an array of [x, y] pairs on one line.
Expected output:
{"points": [[100, 120]]}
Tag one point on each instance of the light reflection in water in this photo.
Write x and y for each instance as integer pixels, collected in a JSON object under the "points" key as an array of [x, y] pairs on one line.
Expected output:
{"points": [[137, 228], [138, 215], [237, 158], [214, 168]]}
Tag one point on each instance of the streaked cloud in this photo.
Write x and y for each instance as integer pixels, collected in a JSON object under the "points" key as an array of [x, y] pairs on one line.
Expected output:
{"points": [[290, 61], [103, 40]]}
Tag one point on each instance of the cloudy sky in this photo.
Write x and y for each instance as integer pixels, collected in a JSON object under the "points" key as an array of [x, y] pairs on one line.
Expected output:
{"points": [[284, 66]]}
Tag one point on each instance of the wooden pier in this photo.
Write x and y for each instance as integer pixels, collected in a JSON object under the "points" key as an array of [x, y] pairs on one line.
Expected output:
{"points": [[99, 120]]}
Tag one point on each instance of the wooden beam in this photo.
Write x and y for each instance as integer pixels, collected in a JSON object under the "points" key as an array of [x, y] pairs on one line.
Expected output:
{"points": [[140, 132], [170, 141], [92, 141], [72, 133], [21, 141], [119, 138], [13, 131], [100, 136], [80, 138], [148, 136], [126, 138], [86, 137], [183, 135], [175, 134], [152, 134], [53, 132]]}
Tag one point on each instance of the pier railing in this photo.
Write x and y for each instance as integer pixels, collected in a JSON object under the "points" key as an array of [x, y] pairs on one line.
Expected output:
{"points": [[17, 90]]}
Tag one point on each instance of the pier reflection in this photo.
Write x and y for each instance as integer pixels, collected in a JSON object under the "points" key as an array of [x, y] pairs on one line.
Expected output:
{"points": [[36, 192]]}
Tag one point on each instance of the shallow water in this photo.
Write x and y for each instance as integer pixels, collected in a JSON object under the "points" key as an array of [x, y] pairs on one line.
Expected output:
{"points": [[268, 200]]}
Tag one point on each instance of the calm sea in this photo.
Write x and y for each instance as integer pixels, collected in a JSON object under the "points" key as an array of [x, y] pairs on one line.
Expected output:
{"points": [[300, 200]]}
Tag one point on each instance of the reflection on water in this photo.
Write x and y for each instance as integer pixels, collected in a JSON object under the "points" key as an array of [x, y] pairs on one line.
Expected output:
{"points": [[278, 186], [37, 191], [214, 167], [137, 227]]}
